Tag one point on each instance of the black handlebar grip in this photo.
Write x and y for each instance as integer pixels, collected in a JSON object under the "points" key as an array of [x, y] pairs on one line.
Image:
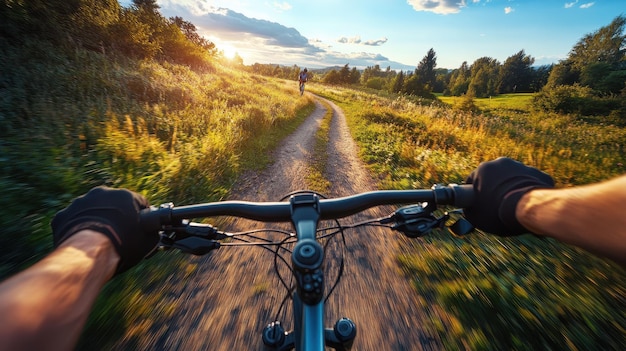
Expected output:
{"points": [[463, 195], [152, 219]]}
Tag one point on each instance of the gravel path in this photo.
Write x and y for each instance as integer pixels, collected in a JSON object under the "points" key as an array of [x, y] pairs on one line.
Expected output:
{"points": [[225, 303]]}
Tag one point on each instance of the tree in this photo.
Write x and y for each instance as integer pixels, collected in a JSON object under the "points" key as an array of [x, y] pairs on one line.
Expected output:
{"points": [[484, 77], [562, 74], [442, 79], [598, 60], [56, 21], [606, 45], [414, 86], [371, 72], [398, 83], [344, 74], [147, 5], [426, 69], [190, 31], [516, 73], [600, 77], [133, 37], [540, 77], [459, 80], [355, 76], [92, 20], [332, 77]]}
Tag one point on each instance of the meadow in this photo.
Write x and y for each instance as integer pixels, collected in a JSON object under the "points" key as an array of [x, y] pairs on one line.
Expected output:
{"points": [[515, 102], [76, 119], [92, 94], [484, 292]]}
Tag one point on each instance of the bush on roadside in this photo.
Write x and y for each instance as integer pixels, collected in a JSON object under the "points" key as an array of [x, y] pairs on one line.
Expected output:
{"points": [[575, 99]]}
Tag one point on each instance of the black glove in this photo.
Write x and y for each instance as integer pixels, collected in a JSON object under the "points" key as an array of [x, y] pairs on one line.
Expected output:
{"points": [[114, 213], [499, 185]]}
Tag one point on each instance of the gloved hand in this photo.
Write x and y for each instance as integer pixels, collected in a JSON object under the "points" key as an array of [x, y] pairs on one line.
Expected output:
{"points": [[114, 213], [499, 185]]}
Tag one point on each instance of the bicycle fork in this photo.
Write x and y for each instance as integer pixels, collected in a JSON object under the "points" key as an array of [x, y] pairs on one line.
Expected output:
{"points": [[308, 299]]}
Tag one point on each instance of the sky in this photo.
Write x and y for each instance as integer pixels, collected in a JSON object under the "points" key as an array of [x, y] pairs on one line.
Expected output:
{"points": [[395, 33]]}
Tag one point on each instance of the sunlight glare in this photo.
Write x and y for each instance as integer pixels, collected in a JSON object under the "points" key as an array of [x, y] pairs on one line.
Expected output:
{"points": [[228, 50]]}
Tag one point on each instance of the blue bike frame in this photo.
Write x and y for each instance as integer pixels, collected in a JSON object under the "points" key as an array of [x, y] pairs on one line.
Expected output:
{"points": [[305, 217]]}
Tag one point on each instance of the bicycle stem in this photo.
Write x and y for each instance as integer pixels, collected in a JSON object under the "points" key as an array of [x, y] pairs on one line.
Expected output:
{"points": [[307, 259]]}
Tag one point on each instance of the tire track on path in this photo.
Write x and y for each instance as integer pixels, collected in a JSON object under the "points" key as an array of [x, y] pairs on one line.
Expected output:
{"points": [[225, 303], [373, 291]]}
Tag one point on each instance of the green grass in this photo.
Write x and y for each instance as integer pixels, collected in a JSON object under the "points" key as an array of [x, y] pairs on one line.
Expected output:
{"points": [[76, 119], [315, 177], [515, 102], [484, 292]]}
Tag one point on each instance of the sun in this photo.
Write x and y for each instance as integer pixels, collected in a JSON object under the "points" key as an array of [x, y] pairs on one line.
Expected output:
{"points": [[228, 51]]}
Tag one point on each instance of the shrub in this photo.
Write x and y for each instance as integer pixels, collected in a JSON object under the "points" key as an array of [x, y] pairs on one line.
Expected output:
{"points": [[375, 83], [467, 103], [563, 99], [576, 99]]}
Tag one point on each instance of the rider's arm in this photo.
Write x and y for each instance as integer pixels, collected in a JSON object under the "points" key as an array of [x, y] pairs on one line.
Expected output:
{"points": [[512, 199], [591, 217], [46, 306], [98, 236]]}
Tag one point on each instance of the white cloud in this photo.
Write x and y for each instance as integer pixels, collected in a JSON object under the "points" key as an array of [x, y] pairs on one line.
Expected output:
{"points": [[357, 40], [232, 25], [570, 4], [587, 5], [508, 10], [352, 40], [377, 42], [263, 41], [443, 7], [194, 7], [282, 6]]}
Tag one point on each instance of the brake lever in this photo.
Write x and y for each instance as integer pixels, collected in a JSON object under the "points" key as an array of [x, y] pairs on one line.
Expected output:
{"points": [[204, 231], [415, 228], [190, 237], [417, 220], [196, 246]]}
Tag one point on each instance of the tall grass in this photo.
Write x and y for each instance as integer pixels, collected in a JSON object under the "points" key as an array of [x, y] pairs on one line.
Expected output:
{"points": [[413, 144], [75, 119], [484, 292]]}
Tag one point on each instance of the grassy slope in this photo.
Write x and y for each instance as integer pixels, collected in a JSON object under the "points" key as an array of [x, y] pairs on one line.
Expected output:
{"points": [[76, 119], [516, 293]]}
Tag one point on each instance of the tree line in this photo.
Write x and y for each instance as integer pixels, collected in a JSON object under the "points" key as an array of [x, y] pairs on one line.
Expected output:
{"points": [[138, 32], [590, 80]]}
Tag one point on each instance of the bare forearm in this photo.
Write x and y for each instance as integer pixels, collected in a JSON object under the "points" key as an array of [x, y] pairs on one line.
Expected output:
{"points": [[591, 217], [50, 302]]}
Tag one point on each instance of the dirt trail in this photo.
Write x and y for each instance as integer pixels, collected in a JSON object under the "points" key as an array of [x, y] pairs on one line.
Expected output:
{"points": [[225, 303]]}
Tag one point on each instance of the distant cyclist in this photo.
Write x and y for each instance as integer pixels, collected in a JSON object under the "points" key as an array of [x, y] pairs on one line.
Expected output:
{"points": [[98, 237], [302, 78]]}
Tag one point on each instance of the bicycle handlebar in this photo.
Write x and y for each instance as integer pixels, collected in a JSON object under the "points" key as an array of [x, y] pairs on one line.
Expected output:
{"points": [[304, 209], [455, 195]]}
